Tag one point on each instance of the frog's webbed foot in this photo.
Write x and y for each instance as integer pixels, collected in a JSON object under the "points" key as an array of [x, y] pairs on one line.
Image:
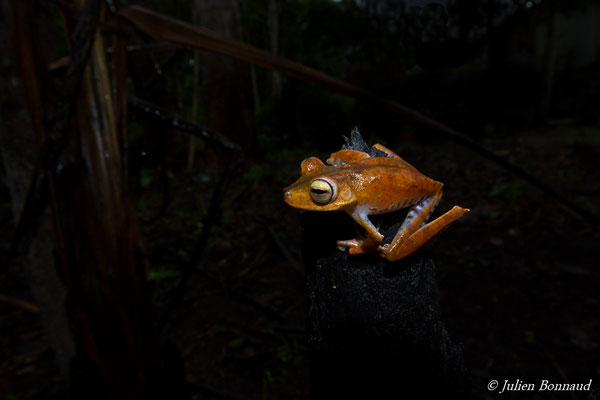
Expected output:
{"points": [[358, 246]]}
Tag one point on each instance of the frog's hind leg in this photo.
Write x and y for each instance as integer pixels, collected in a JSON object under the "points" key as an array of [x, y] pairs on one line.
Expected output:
{"points": [[415, 232], [387, 151], [393, 155], [346, 156]]}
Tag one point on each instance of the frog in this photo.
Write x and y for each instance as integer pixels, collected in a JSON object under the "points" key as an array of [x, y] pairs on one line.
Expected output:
{"points": [[363, 184]]}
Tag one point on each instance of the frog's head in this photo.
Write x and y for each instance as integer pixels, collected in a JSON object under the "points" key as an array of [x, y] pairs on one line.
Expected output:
{"points": [[318, 188]]}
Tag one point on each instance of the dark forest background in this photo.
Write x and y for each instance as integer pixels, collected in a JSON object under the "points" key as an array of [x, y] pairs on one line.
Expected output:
{"points": [[146, 250]]}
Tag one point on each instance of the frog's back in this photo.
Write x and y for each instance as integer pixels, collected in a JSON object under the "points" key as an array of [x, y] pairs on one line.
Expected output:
{"points": [[387, 184]]}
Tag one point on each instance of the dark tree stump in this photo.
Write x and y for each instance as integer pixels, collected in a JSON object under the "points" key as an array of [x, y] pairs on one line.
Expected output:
{"points": [[374, 327]]}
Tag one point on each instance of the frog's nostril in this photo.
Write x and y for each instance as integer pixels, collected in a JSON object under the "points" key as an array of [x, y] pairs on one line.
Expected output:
{"points": [[288, 194]]}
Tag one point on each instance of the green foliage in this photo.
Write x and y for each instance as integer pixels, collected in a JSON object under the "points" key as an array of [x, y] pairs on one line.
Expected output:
{"points": [[287, 351], [146, 176], [199, 229], [236, 343], [529, 337], [160, 274]]}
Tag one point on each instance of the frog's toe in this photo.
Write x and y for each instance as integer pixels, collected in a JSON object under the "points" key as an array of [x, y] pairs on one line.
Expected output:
{"points": [[356, 250], [384, 251], [347, 244]]}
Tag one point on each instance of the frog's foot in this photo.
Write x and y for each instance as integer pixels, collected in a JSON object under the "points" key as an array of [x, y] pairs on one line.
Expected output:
{"points": [[347, 244], [408, 239], [383, 249], [358, 246]]}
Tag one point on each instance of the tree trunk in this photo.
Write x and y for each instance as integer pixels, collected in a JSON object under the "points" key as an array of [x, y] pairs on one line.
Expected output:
{"points": [[375, 327]]}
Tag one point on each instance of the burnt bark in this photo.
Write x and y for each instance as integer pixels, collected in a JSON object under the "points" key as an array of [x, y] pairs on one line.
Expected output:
{"points": [[375, 328]]}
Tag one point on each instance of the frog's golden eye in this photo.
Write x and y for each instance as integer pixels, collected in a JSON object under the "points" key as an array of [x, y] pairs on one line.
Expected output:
{"points": [[322, 190]]}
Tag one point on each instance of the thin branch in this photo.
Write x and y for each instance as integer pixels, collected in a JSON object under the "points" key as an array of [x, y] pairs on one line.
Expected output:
{"points": [[154, 111], [295, 264], [22, 304]]}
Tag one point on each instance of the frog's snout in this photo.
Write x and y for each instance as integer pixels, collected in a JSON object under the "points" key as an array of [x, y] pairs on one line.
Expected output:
{"points": [[287, 196]]}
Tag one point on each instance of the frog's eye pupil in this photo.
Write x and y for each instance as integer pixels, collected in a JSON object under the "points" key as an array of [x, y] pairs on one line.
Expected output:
{"points": [[322, 191]]}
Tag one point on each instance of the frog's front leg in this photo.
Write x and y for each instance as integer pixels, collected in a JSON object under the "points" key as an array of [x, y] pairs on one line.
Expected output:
{"points": [[364, 245], [415, 232]]}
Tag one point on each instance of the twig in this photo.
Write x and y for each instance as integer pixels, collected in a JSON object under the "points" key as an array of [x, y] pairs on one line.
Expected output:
{"points": [[22, 304], [284, 250], [154, 111], [258, 256], [161, 68], [560, 371]]}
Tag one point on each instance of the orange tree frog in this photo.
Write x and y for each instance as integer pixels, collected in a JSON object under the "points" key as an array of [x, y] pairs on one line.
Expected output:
{"points": [[362, 185]]}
